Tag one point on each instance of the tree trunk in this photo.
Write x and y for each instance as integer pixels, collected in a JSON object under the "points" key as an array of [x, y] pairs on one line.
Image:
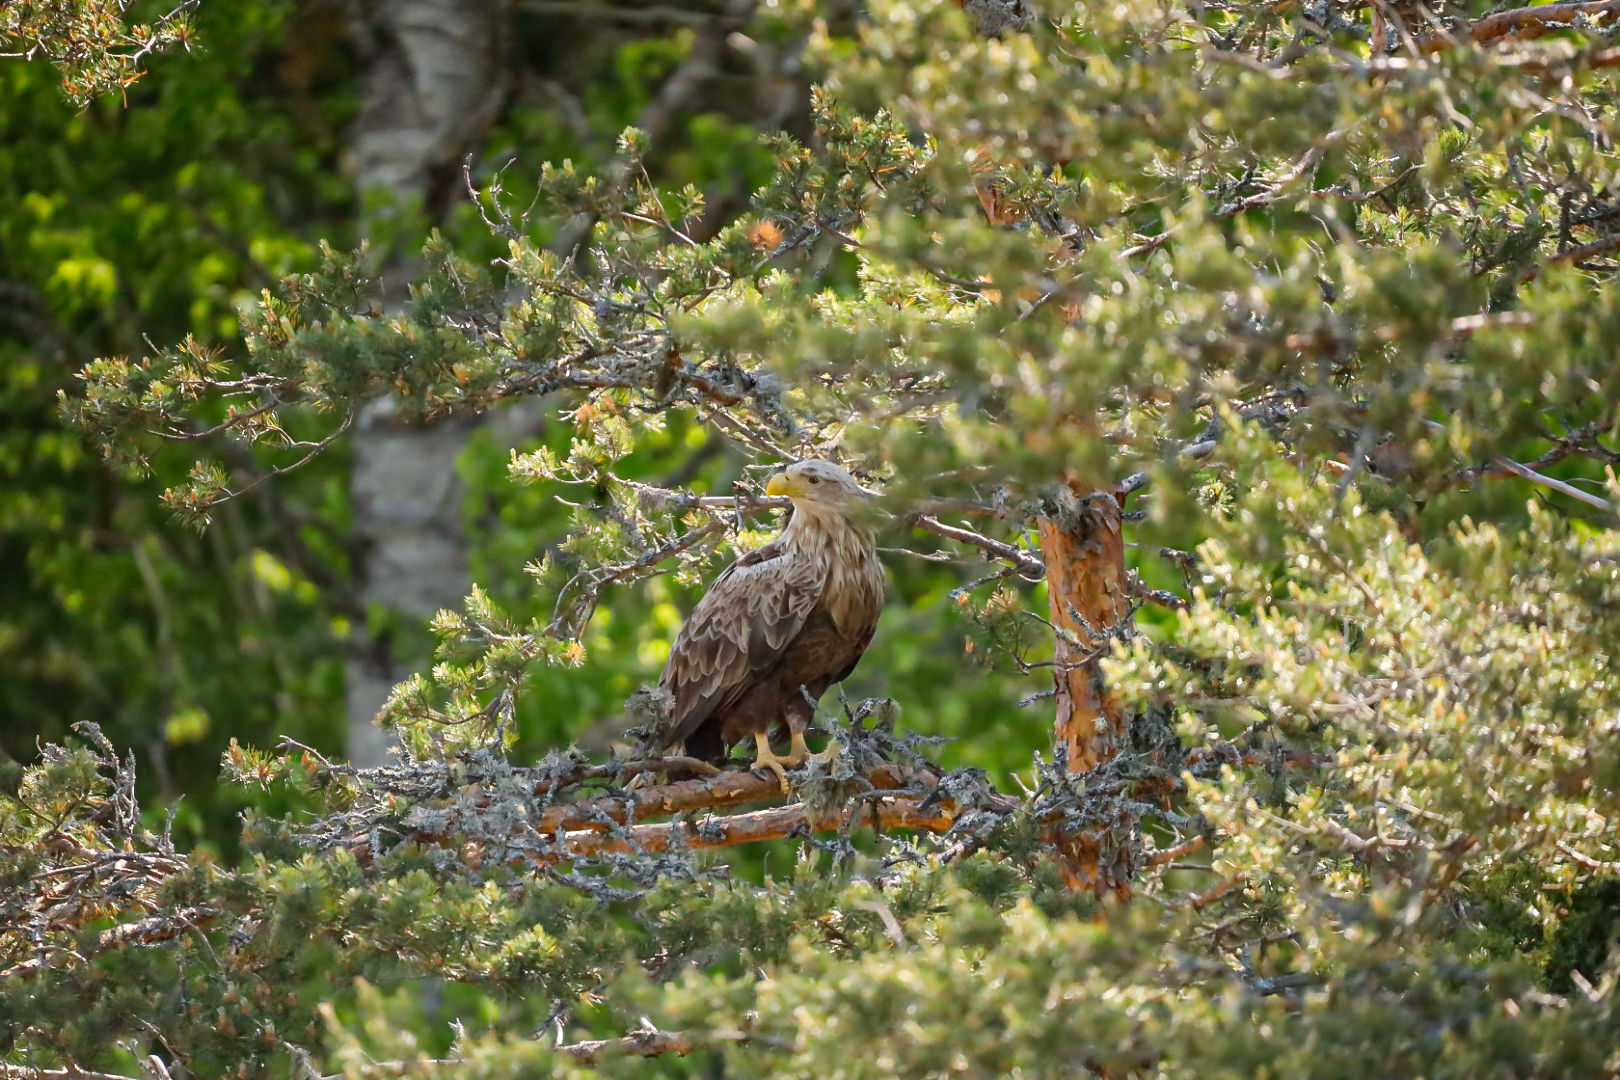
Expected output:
{"points": [[431, 85], [1083, 546]]}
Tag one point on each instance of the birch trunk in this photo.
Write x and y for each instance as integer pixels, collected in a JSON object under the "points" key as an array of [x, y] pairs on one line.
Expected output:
{"points": [[431, 85]]}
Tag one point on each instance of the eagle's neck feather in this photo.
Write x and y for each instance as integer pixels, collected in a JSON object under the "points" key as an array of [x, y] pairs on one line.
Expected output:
{"points": [[843, 554]]}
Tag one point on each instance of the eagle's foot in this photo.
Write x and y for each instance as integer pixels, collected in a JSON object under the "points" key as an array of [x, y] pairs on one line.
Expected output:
{"points": [[765, 759], [799, 752]]}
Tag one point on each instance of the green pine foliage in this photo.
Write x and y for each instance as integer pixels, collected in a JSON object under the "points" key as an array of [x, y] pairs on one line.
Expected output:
{"points": [[1345, 317], [93, 44]]}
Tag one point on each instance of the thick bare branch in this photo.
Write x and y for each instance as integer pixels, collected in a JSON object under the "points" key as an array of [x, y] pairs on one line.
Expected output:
{"points": [[1577, 254], [147, 931], [780, 821], [1519, 24], [30, 1072], [1171, 854], [727, 789]]}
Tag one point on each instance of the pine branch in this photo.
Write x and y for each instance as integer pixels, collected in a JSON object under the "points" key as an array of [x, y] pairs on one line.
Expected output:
{"points": [[585, 1052], [1171, 854], [1225, 753], [1579, 253], [645, 1043]]}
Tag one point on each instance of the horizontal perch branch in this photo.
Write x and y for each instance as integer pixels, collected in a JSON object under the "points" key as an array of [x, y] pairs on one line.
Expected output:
{"points": [[30, 1072], [1225, 753], [646, 1043], [723, 790], [584, 1052], [1554, 484], [779, 821], [1171, 854]]}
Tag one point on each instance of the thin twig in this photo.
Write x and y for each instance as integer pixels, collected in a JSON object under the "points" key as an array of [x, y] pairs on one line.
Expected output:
{"points": [[1556, 485], [1027, 564]]}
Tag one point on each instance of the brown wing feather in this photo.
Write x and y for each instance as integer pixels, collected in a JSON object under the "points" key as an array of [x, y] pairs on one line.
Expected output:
{"points": [[739, 628], [859, 648]]}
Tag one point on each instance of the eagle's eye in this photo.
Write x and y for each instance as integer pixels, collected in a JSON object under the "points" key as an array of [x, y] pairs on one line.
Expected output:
{"points": [[815, 479]]}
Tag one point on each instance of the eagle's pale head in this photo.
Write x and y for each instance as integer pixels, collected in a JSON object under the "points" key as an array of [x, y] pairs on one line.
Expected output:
{"points": [[819, 486]]}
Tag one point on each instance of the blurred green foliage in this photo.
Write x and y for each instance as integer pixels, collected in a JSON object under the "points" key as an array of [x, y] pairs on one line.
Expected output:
{"points": [[158, 213]]}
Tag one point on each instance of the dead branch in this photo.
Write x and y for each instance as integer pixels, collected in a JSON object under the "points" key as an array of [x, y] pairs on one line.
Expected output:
{"points": [[1220, 889], [147, 931], [30, 1072], [1225, 753], [727, 789], [1171, 854], [1555, 485], [1579, 253], [1581, 442], [641, 1044], [1305, 165], [1027, 565], [597, 579], [1553, 65], [1519, 24], [1468, 325], [1603, 865], [780, 821], [1140, 590], [664, 498], [648, 1043]]}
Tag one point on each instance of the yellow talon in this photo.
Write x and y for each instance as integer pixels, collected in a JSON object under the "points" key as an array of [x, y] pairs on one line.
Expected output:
{"points": [[798, 751], [765, 759]]}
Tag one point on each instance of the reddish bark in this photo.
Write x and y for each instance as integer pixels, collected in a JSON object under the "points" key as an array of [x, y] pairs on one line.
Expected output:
{"points": [[1083, 545], [718, 792], [898, 813], [1084, 550], [1520, 24]]}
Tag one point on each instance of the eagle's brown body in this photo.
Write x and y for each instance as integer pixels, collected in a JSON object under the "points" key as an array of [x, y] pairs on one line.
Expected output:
{"points": [[780, 625]]}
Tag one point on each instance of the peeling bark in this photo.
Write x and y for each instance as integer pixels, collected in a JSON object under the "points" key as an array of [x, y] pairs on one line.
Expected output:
{"points": [[1083, 546]]}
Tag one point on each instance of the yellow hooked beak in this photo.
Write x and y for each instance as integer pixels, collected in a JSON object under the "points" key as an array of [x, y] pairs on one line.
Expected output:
{"points": [[779, 485]]}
